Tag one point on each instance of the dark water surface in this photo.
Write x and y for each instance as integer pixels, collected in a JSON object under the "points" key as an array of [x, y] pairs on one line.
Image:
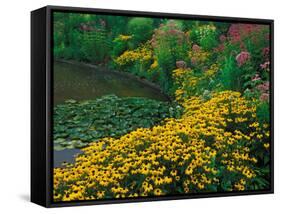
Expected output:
{"points": [[66, 155], [80, 82]]}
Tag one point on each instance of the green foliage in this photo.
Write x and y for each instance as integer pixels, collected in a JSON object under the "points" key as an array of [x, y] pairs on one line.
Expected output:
{"points": [[188, 25], [95, 46], [263, 112], [78, 123], [116, 25], [206, 36], [119, 46], [67, 36], [222, 27], [166, 62], [141, 29], [231, 75]]}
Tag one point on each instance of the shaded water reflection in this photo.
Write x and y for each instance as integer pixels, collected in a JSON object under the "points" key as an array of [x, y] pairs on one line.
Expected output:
{"points": [[81, 83]]}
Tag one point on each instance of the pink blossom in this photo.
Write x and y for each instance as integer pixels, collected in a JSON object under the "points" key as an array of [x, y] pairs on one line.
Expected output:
{"points": [[234, 33], [256, 77], [242, 58], [180, 64], [239, 31], [219, 48], [193, 60], [265, 52], [242, 46], [264, 97], [222, 38], [196, 48], [263, 88], [187, 34], [265, 65]]}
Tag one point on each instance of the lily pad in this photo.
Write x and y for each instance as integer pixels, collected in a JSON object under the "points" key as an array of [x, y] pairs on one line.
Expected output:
{"points": [[59, 147], [78, 123], [71, 101]]}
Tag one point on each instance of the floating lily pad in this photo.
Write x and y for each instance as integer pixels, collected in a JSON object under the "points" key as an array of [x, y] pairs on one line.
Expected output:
{"points": [[59, 140], [59, 147], [76, 124], [71, 101]]}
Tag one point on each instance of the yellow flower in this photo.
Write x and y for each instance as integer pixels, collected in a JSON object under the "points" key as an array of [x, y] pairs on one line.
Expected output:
{"points": [[266, 145], [173, 172], [100, 194], [188, 171], [157, 192], [154, 64], [167, 180], [141, 54], [124, 37], [201, 186]]}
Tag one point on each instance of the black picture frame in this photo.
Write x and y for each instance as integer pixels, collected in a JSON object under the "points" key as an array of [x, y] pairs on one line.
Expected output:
{"points": [[42, 103]]}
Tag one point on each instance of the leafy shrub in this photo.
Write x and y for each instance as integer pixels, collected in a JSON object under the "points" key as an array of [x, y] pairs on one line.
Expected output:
{"points": [[245, 47], [170, 45], [67, 35], [120, 44], [96, 46], [231, 75], [141, 29], [205, 35], [137, 61], [263, 112]]}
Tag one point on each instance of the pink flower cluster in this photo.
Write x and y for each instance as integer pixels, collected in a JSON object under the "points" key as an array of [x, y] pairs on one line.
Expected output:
{"points": [[196, 48], [264, 97], [166, 33], [256, 77], [193, 60], [265, 66], [222, 38], [237, 32], [242, 58], [265, 51], [264, 89], [219, 48]]}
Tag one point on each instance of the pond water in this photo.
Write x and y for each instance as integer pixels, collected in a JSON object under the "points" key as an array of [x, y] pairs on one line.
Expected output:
{"points": [[66, 155], [81, 82]]}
